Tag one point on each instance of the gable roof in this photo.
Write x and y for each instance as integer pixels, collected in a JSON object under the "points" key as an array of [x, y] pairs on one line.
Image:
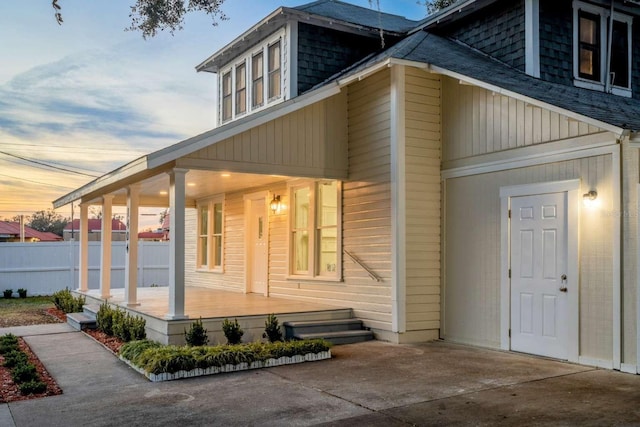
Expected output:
{"points": [[358, 15], [95, 224], [12, 229], [460, 61]]}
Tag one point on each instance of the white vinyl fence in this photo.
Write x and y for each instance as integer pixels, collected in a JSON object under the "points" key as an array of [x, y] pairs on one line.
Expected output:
{"points": [[44, 268]]}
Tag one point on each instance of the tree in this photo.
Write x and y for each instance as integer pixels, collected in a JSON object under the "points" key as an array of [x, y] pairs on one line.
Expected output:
{"points": [[436, 5], [151, 16], [46, 221]]}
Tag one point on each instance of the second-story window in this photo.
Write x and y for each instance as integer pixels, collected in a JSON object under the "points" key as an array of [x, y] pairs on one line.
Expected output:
{"points": [[602, 49], [589, 46], [226, 96], [257, 80], [241, 88], [274, 70]]}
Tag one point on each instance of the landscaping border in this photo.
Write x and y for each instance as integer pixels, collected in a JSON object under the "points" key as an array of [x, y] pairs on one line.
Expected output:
{"points": [[198, 372]]}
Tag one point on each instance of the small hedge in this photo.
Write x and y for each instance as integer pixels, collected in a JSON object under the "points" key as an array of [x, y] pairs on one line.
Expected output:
{"points": [[23, 373], [66, 302], [117, 323], [156, 358]]}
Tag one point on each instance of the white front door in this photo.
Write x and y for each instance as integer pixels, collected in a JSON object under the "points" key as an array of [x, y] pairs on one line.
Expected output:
{"points": [[538, 274], [257, 256]]}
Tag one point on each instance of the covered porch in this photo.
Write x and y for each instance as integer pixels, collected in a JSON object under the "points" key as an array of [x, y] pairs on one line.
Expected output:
{"points": [[213, 306]]}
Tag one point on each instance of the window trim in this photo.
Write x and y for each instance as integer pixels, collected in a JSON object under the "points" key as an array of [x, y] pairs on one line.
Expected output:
{"points": [[246, 58], [314, 273], [238, 89], [210, 203], [603, 13], [224, 96], [275, 70]]}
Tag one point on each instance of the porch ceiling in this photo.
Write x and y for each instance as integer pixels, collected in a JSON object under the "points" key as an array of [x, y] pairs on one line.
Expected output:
{"points": [[154, 191]]}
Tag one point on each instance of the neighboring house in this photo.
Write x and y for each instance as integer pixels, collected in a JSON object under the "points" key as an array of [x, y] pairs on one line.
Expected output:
{"points": [[475, 179], [118, 230], [10, 232]]}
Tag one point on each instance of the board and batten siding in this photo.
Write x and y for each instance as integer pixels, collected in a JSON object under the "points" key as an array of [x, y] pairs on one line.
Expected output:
{"points": [[478, 121], [310, 142], [422, 200], [472, 253]]}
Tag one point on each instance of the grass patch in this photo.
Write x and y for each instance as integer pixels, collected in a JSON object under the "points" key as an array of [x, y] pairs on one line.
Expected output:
{"points": [[26, 311]]}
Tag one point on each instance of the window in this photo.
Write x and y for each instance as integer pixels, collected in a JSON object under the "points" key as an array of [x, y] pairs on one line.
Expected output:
{"points": [[210, 235], [257, 80], [226, 96], [314, 229], [253, 80], [274, 70], [594, 68], [241, 88], [589, 30]]}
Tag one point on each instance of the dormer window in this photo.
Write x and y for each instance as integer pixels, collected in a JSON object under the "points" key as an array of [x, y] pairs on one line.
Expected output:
{"points": [[226, 96], [274, 70], [241, 88], [257, 80], [253, 80], [598, 64]]}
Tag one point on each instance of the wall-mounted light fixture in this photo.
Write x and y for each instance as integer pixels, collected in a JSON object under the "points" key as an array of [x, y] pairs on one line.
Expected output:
{"points": [[589, 199], [275, 204]]}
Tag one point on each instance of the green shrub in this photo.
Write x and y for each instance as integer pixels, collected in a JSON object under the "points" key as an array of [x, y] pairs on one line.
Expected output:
{"points": [[23, 373], [272, 329], [197, 334], [157, 358], [8, 343], [104, 319], [66, 302], [33, 387], [22, 293], [7, 293], [117, 323], [232, 331], [14, 358]]}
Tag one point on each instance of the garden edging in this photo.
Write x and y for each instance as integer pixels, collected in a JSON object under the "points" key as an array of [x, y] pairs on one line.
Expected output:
{"points": [[285, 360]]}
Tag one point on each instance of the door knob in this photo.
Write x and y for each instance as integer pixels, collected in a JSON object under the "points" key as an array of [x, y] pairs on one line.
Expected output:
{"points": [[563, 287]]}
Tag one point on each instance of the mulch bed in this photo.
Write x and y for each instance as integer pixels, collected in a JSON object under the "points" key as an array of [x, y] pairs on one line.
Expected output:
{"points": [[58, 313], [9, 391], [112, 343]]}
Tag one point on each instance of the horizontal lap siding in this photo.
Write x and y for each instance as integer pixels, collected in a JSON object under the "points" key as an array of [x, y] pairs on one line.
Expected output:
{"points": [[423, 193], [478, 121], [472, 253]]}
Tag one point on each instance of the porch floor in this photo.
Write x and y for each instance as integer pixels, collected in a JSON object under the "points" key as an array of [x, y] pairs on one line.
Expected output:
{"points": [[213, 303]]}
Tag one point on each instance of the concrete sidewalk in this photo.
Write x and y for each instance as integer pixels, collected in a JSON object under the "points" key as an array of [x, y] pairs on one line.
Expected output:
{"points": [[372, 383]]}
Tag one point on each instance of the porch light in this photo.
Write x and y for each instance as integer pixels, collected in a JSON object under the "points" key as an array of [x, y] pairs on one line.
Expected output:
{"points": [[589, 199], [275, 204]]}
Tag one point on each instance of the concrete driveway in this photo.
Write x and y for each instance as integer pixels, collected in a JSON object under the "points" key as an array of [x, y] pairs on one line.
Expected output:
{"points": [[369, 384]]}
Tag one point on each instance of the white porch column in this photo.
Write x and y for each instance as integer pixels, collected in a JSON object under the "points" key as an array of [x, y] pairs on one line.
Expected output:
{"points": [[83, 261], [176, 243], [105, 246], [131, 261]]}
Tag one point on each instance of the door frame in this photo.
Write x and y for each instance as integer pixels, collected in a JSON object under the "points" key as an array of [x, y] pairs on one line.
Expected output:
{"points": [[248, 261], [572, 188]]}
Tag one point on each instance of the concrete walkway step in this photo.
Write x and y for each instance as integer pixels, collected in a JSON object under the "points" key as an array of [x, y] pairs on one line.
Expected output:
{"points": [[81, 321], [339, 337], [334, 325], [91, 309]]}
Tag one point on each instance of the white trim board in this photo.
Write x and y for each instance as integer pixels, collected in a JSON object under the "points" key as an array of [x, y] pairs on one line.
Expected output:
{"points": [[532, 37], [574, 148]]}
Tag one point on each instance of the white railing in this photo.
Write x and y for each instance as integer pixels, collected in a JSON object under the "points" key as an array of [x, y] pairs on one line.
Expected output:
{"points": [[44, 268]]}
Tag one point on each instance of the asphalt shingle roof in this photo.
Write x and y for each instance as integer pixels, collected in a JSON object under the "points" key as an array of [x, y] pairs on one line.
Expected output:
{"points": [[431, 49], [358, 15]]}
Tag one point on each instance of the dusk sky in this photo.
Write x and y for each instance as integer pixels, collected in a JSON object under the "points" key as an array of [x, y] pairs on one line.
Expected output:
{"points": [[87, 96]]}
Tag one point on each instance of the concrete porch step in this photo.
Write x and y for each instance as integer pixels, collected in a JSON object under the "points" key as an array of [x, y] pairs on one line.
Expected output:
{"points": [[81, 321], [339, 337], [90, 310]]}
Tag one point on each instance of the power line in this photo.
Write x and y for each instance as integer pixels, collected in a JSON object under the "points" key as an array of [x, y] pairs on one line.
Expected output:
{"points": [[48, 165], [36, 182], [71, 147]]}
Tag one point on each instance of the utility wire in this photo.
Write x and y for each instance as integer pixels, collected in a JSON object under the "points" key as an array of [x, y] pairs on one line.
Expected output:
{"points": [[48, 165], [36, 182]]}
